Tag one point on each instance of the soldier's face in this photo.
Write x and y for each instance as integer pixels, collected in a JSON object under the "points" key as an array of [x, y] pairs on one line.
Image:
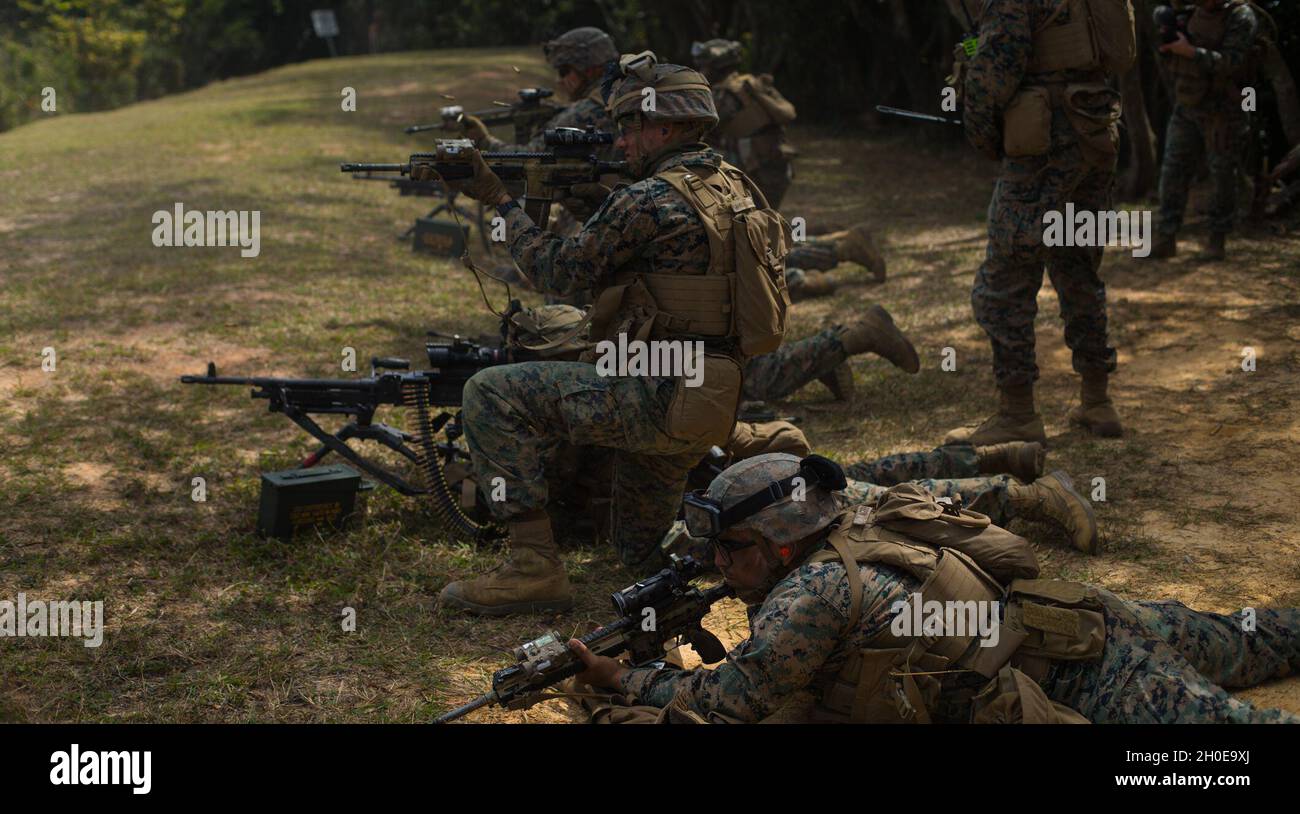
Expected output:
{"points": [[744, 569], [571, 81], [640, 138]]}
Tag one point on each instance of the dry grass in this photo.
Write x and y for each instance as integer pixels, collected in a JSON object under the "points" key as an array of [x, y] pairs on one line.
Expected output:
{"points": [[207, 622]]}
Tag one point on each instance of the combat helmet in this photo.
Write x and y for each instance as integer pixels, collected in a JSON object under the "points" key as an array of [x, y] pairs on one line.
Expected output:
{"points": [[680, 93], [583, 48], [787, 520], [715, 57]]}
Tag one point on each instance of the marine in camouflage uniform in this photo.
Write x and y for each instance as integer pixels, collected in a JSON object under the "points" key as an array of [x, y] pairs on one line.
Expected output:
{"points": [[1004, 298], [516, 416], [1160, 662], [823, 357], [580, 58], [1209, 74], [750, 133]]}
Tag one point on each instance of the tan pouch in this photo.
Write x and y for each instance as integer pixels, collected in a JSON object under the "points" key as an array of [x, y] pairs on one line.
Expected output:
{"points": [[1014, 698], [706, 413], [1093, 110], [1027, 124], [1062, 620]]}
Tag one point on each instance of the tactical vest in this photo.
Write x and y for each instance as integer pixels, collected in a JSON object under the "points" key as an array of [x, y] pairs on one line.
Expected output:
{"points": [[755, 133], [958, 556], [1071, 58], [1193, 87], [739, 302]]}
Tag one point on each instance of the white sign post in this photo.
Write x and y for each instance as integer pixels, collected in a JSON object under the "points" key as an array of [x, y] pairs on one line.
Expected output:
{"points": [[327, 27]]}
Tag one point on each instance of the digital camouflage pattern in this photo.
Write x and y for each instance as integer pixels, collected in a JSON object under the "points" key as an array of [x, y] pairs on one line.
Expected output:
{"points": [[516, 416], [775, 375], [950, 471], [1165, 663], [1161, 662], [1005, 293], [642, 227], [1217, 125]]}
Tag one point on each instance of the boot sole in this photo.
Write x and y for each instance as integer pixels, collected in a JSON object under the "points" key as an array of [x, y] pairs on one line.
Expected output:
{"points": [[913, 362], [1068, 484]]}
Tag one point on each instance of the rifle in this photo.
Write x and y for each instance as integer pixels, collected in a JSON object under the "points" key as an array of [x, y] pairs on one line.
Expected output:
{"points": [[665, 603], [912, 114], [569, 160], [451, 364], [530, 111]]}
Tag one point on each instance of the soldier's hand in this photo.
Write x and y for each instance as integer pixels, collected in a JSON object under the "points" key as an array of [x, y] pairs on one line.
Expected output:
{"points": [[602, 671], [1180, 47], [584, 199], [475, 130], [485, 186], [423, 172]]}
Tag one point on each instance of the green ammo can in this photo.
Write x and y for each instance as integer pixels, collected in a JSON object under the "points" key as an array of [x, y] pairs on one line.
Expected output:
{"points": [[298, 499]]}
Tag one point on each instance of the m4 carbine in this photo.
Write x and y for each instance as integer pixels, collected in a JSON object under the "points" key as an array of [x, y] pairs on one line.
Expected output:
{"points": [[568, 160], [531, 111], [451, 364], [651, 612]]}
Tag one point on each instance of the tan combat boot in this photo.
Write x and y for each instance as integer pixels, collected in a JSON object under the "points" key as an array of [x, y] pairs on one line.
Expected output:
{"points": [[859, 245], [1015, 420], [1096, 413], [877, 333], [1052, 499], [840, 382], [812, 284], [1023, 460], [531, 580]]}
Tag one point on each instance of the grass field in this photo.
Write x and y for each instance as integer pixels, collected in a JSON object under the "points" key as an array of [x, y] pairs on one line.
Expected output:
{"points": [[208, 622]]}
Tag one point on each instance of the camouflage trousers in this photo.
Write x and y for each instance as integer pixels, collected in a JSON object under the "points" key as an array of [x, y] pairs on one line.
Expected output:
{"points": [[1165, 663], [775, 375], [518, 417], [1223, 139], [1005, 295], [948, 471], [818, 255]]}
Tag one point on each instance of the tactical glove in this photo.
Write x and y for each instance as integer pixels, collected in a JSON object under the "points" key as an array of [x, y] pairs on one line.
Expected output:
{"points": [[585, 199], [475, 130], [484, 186]]}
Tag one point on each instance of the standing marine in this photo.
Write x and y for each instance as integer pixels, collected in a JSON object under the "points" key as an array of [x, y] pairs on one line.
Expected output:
{"points": [[1036, 98], [1210, 66], [752, 115], [691, 252]]}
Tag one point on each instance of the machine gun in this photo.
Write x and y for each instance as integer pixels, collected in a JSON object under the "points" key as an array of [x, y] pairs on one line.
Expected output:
{"points": [[651, 613], [568, 160], [526, 115], [451, 364]]}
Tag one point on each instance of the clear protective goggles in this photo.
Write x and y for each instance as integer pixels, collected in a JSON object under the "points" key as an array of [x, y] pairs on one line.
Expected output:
{"points": [[705, 517]]}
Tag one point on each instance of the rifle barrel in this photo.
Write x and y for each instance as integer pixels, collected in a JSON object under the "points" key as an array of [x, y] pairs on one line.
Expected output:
{"points": [[482, 701], [402, 168]]}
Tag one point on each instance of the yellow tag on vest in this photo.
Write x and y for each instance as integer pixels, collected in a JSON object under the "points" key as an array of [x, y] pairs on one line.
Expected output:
{"points": [[1050, 619]]}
